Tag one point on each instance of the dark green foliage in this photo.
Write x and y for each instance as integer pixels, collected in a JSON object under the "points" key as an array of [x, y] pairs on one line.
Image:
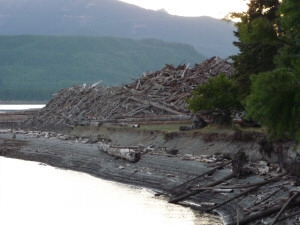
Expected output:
{"points": [[219, 94], [35, 67], [258, 41], [252, 59], [290, 54], [275, 95], [275, 102]]}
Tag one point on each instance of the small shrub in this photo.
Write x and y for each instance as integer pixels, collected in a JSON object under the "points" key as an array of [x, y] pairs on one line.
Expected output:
{"points": [[219, 96]]}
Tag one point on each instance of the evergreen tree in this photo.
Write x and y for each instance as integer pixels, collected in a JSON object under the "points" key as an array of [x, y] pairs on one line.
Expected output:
{"points": [[219, 95], [258, 44], [290, 15], [275, 102], [275, 96]]}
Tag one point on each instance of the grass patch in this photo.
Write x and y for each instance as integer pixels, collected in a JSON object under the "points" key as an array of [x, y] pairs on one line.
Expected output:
{"points": [[163, 127], [213, 128]]}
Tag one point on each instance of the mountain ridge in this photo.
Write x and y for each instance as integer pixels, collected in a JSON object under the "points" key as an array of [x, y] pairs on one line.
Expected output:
{"points": [[209, 36], [35, 67]]}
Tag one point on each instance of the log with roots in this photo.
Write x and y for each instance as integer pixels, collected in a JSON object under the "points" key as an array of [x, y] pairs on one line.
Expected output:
{"points": [[127, 153]]}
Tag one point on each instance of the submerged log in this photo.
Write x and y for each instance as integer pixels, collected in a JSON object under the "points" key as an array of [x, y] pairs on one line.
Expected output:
{"points": [[125, 153]]}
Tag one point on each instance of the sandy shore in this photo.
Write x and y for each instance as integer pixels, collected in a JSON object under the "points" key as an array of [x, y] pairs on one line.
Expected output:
{"points": [[156, 171]]}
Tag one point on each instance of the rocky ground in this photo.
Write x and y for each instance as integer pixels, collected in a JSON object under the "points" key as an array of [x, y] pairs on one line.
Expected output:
{"points": [[261, 188]]}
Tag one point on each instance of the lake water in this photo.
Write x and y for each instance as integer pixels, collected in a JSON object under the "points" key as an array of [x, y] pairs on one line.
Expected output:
{"points": [[35, 194], [14, 107]]}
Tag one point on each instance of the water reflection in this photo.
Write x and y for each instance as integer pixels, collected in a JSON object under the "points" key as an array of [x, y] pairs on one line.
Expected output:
{"points": [[35, 194]]}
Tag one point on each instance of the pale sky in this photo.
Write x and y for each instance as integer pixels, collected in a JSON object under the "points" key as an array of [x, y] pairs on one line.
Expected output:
{"points": [[213, 8]]}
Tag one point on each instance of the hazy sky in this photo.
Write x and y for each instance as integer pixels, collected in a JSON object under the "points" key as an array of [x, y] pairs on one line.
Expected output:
{"points": [[213, 8]]}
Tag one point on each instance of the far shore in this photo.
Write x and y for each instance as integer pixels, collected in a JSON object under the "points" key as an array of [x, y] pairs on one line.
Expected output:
{"points": [[19, 102]]}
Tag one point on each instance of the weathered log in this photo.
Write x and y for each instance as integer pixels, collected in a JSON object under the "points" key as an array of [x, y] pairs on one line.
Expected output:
{"points": [[233, 198], [222, 190], [245, 192], [263, 213], [289, 216], [269, 196], [248, 185], [201, 175], [285, 206], [156, 106], [193, 179], [187, 195], [152, 119], [124, 153]]}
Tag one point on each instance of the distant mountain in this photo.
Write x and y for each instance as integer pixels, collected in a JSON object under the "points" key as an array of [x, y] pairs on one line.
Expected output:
{"points": [[113, 18], [35, 67]]}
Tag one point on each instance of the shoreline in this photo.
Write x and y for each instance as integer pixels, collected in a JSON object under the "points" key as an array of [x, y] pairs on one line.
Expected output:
{"points": [[154, 171]]}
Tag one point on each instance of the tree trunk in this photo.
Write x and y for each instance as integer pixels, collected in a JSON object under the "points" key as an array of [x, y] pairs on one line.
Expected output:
{"points": [[124, 153]]}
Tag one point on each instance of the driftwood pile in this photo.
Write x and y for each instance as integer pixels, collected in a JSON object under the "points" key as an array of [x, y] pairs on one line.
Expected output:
{"points": [[153, 94], [277, 194]]}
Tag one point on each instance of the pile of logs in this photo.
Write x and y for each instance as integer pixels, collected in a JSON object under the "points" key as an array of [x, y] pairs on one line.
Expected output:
{"points": [[276, 195], [153, 94]]}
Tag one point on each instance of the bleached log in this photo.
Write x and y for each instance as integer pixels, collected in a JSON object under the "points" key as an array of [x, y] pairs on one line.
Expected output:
{"points": [[156, 106], [95, 84], [124, 153], [220, 190], [138, 85], [148, 119], [183, 73]]}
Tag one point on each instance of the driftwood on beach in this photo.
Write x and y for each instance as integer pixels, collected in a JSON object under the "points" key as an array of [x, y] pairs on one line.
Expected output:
{"points": [[127, 153], [255, 207]]}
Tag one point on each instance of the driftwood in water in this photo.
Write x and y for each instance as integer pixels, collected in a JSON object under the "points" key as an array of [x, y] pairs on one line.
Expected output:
{"points": [[125, 153]]}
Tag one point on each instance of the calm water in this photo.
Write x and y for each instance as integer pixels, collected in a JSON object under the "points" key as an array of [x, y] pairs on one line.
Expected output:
{"points": [[12, 107], [33, 194]]}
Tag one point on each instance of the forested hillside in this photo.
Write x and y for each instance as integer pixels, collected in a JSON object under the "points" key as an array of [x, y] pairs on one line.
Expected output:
{"points": [[209, 36], [35, 67]]}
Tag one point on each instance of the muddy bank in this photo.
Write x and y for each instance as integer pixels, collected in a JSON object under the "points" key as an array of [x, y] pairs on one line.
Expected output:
{"points": [[158, 170], [14, 119], [195, 142]]}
